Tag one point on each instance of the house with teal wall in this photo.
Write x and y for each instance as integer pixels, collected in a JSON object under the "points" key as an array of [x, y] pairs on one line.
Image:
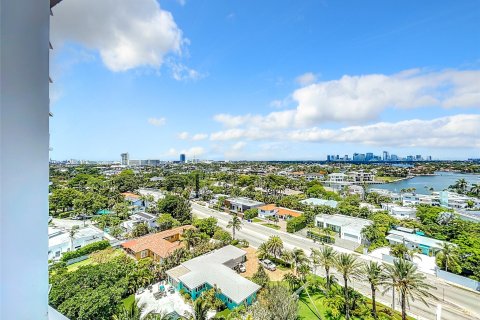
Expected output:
{"points": [[215, 270]]}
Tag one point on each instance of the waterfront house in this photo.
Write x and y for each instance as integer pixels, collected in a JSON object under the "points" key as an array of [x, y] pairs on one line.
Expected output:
{"points": [[414, 240], [347, 228], [215, 270], [157, 245]]}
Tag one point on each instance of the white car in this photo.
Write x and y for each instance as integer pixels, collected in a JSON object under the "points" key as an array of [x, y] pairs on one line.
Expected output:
{"points": [[269, 265]]}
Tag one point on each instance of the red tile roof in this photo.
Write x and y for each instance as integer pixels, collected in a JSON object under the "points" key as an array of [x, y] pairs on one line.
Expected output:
{"points": [[156, 242]]}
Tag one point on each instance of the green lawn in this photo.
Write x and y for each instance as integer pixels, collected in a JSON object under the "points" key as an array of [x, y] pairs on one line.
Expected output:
{"points": [[77, 265], [271, 225], [386, 179], [257, 220], [306, 309]]}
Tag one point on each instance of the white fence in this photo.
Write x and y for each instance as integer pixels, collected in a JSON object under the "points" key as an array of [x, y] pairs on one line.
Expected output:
{"points": [[455, 278]]}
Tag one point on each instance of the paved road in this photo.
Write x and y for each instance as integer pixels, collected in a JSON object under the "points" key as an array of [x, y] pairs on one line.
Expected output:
{"points": [[456, 303]]}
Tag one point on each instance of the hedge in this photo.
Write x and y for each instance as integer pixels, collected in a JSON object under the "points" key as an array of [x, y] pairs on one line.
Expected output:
{"points": [[297, 223], [89, 248]]}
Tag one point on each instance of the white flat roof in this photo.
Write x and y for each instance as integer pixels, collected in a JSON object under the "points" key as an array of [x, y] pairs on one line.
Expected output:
{"points": [[398, 235], [212, 268], [351, 223], [245, 201]]}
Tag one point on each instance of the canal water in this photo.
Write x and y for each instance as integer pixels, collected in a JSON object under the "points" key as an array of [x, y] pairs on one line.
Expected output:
{"points": [[440, 181]]}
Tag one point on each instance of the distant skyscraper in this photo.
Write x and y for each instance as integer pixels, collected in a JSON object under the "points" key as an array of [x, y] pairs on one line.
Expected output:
{"points": [[182, 157], [385, 156], [125, 158], [369, 156]]}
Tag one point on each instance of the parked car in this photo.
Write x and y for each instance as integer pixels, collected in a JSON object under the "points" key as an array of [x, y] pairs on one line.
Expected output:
{"points": [[241, 268], [269, 265]]}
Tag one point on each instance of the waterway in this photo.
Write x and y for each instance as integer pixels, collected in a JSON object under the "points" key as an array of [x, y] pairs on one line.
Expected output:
{"points": [[440, 181]]}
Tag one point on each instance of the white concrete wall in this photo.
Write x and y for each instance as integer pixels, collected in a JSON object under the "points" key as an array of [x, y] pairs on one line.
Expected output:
{"points": [[24, 54]]}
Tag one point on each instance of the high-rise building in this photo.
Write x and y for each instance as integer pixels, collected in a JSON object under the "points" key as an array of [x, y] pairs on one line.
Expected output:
{"points": [[182, 157], [125, 159], [369, 156], [385, 156]]}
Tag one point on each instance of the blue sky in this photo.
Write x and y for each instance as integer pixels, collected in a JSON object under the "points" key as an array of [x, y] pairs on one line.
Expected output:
{"points": [[269, 80]]}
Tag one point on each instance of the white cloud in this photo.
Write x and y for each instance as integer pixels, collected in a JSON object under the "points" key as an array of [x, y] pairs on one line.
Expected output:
{"points": [[157, 121], [199, 136], [183, 135], [361, 99], [181, 72], [238, 146], [306, 79], [236, 151], [127, 33], [190, 153], [458, 131]]}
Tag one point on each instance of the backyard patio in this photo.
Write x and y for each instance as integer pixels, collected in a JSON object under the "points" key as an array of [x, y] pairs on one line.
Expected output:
{"points": [[163, 298]]}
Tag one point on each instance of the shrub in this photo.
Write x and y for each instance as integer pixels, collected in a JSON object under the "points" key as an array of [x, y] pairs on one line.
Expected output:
{"points": [[243, 243], [89, 248], [250, 214], [295, 224]]}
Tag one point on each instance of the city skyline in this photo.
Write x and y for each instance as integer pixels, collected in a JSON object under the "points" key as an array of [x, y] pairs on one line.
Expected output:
{"points": [[315, 79]]}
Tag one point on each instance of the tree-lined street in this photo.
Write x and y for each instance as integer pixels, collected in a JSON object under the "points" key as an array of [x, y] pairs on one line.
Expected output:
{"points": [[456, 302]]}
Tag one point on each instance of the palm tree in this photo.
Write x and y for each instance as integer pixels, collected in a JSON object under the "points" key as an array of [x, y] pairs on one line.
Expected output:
{"points": [[448, 254], [235, 224], [373, 273], [326, 259], [275, 246], [349, 267], [461, 184], [71, 234], [292, 280], [190, 238], [134, 312], [475, 189], [298, 258], [262, 251], [200, 310], [408, 282]]}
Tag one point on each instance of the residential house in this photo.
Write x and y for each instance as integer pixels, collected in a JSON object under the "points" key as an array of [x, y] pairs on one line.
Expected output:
{"points": [[271, 210], [410, 199], [59, 240], [135, 201], [215, 270], [241, 204], [140, 217], [414, 240], [319, 202], [347, 228], [157, 245], [356, 190], [400, 212], [314, 176]]}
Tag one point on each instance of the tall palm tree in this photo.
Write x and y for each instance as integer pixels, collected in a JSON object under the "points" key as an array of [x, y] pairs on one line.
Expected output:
{"points": [[326, 259], [349, 267], [275, 246], [461, 184], [298, 258], [373, 273], [235, 224], [73, 231], [262, 251], [408, 282], [449, 254]]}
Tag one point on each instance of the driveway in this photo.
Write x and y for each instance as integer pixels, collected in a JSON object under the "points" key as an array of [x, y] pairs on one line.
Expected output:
{"points": [[252, 265]]}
